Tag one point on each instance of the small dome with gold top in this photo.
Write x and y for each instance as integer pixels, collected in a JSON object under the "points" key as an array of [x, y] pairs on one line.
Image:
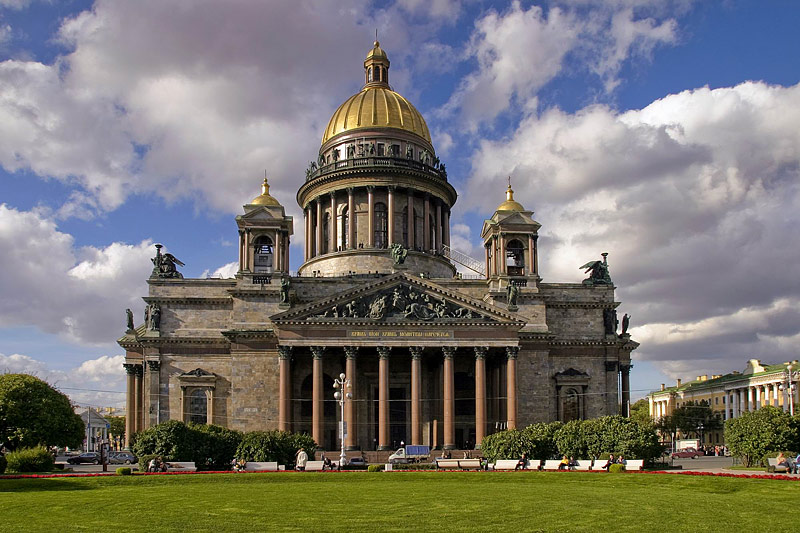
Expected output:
{"points": [[376, 105], [265, 198], [510, 204]]}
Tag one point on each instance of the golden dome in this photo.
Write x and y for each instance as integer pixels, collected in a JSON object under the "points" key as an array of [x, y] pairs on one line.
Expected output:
{"points": [[376, 107], [510, 204], [264, 198]]}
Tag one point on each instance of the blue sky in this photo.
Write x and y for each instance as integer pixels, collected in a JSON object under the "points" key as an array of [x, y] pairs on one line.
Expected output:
{"points": [[662, 132]]}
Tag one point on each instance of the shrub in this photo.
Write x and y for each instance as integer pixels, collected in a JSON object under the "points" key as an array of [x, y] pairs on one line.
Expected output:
{"points": [[3, 463], [503, 445], [415, 466], [172, 440], [144, 460], [38, 459], [214, 446], [124, 471], [280, 446], [616, 468], [571, 440], [375, 468], [208, 446]]}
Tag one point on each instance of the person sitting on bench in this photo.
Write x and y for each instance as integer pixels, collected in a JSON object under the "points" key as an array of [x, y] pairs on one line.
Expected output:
{"points": [[522, 463]]}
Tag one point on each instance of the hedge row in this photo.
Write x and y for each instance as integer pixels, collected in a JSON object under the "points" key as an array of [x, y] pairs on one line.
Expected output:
{"points": [[579, 439], [213, 447]]}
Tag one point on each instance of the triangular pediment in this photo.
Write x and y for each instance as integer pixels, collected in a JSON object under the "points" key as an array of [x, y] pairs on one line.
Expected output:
{"points": [[262, 213], [399, 298]]}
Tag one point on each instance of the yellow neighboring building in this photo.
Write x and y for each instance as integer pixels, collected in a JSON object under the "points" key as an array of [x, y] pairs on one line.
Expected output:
{"points": [[729, 395]]}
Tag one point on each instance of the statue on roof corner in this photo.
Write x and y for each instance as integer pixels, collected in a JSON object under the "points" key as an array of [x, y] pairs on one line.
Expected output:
{"points": [[399, 253], [598, 272], [286, 284], [129, 315], [165, 265]]}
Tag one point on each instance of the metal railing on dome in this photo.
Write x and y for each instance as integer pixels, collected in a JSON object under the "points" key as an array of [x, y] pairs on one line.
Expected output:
{"points": [[314, 172]]}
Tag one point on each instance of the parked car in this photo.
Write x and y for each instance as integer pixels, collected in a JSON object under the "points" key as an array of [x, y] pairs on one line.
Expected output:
{"points": [[88, 457], [357, 461], [121, 458], [686, 453]]}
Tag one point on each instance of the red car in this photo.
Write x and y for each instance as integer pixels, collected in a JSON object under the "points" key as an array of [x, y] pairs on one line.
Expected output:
{"points": [[686, 453]]}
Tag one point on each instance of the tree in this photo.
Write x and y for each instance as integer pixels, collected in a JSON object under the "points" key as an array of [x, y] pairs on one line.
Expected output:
{"points": [[695, 418], [640, 411], [754, 435], [33, 413], [117, 425]]}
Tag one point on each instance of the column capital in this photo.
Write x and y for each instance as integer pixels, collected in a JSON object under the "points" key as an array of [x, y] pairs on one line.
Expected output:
{"points": [[512, 352], [284, 352], [139, 369], [384, 351], [351, 352], [480, 352], [611, 366], [625, 368], [416, 352], [392, 187], [154, 366], [350, 191], [130, 368], [448, 351], [370, 188], [317, 351]]}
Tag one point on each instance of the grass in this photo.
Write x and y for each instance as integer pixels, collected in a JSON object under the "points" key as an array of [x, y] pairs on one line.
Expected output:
{"points": [[425, 501]]}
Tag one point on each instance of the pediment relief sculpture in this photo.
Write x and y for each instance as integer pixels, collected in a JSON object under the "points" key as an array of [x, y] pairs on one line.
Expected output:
{"points": [[401, 302]]}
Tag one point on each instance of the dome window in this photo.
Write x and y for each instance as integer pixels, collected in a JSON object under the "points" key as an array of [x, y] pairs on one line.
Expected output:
{"points": [[381, 225]]}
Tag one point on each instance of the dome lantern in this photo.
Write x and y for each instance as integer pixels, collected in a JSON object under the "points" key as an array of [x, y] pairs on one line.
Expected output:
{"points": [[510, 204], [265, 198], [376, 67]]}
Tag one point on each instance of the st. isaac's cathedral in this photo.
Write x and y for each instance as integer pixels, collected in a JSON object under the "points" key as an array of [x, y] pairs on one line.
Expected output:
{"points": [[433, 357]]}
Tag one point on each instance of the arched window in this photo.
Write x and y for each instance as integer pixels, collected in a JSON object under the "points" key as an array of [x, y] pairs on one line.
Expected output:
{"points": [[369, 74], [326, 233], [263, 253], [515, 258], [198, 407], [571, 406], [381, 225], [343, 225]]}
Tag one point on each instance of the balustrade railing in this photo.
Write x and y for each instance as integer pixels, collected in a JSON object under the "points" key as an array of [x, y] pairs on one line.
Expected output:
{"points": [[314, 171]]}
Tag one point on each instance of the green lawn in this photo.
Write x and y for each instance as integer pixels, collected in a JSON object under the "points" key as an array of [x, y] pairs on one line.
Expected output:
{"points": [[425, 501]]}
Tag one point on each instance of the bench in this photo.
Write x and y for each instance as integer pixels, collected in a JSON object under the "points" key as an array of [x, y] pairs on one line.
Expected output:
{"points": [[463, 464], [315, 466], [634, 464], [772, 466], [551, 464], [583, 464], [255, 466], [511, 464], [178, 466]]}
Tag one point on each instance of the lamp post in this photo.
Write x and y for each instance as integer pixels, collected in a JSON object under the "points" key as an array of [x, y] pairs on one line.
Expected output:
{"points": [[790, 389], [342, 394]]}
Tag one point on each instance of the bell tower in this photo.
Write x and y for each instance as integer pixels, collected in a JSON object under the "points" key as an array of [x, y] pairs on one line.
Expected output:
{"points": [[510, 241], [264, 232]]}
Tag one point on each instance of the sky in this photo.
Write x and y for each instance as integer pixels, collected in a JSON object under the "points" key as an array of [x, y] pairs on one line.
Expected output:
{"points": [[664, 132]]}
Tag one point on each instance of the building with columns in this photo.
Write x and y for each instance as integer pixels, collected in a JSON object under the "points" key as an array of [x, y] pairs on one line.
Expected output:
{"points": [[433, 357], [730, 395]]}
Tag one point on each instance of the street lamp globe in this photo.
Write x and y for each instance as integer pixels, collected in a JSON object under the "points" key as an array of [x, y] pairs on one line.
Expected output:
{"points": [[342, 376], [337, 395]]}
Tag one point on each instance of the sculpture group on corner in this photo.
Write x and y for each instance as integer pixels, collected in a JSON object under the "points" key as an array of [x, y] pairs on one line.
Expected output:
{"points": [[165, 265], [598, 272]]}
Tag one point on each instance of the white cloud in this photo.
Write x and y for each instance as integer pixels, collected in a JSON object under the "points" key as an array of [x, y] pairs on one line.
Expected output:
{"points": [[95, 382], [80, 293], [228, 270], [694, 197], [520, 50], [181, 99]]}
